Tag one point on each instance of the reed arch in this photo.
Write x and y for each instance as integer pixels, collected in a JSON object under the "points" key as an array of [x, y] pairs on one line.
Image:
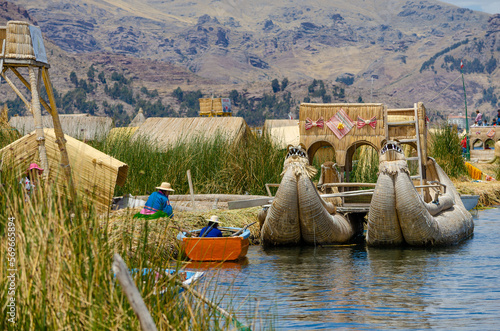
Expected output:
{"points": [[315, 147], [478, 140], [352, 150]]}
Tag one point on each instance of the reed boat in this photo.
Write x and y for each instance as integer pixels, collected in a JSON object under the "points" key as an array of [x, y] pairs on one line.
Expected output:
{"points": [[298, 214], [402, 214], [230, 248]]}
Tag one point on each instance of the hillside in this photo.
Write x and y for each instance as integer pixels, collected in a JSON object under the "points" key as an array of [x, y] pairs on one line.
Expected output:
{"points": [[377, 47]]}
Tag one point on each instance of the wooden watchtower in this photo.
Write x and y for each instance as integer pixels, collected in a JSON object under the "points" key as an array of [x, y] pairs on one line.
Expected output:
{"points": [[23, 55]]}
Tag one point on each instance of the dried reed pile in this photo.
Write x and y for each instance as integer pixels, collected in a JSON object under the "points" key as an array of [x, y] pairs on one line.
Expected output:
{"points": [[126, 233], [18, 42]]}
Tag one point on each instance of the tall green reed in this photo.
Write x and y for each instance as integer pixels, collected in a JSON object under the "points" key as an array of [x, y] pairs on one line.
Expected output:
{"points": [[63, 268], [445, 148], [217, 166]]}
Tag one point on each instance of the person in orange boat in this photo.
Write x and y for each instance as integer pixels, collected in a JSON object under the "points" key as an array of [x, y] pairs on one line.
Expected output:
{"points": [[30, 182], [158, 204], [211, 230]]}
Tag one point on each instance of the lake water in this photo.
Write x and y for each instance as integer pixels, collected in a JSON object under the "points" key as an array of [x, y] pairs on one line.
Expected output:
{"points": [[359, 287]]}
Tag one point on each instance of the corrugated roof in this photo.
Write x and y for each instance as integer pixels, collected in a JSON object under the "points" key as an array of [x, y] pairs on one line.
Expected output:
{"points": [[79, 126]]}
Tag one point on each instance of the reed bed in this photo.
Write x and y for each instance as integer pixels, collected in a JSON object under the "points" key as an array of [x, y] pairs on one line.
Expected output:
{"points": [[126, 233], [216, 165], [63, 268], [444, 146]]}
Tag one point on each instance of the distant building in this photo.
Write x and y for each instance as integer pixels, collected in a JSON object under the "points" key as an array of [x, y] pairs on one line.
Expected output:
{"points": [[459, 121]]}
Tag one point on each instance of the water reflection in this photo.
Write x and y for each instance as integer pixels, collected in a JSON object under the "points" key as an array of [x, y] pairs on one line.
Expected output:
{"points": [[357, 287]]}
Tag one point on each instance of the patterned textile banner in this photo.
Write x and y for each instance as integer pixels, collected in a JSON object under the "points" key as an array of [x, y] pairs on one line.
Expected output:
{"points": [[226, 105], [340, 124], [491, 133], [310, 123], [371, 122]]}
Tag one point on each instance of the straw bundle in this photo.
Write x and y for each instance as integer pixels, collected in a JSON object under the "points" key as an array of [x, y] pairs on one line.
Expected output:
{"points": [[167, 131], [316, 224], [205, 106], [281, 226], [217, 106], [95, 174], [18, 41]]}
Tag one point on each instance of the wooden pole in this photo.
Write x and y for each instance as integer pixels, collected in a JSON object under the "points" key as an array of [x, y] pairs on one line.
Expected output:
{"points": [[134, 297], [60, 140], [191, 191], [19, 94], [37, 115]]}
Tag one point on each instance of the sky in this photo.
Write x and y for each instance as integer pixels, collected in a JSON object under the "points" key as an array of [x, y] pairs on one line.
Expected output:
{"points": [[488, 6]]}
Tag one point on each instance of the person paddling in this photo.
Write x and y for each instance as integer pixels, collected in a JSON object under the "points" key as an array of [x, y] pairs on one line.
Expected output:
{"points": [[211, 230], [158, 204]]}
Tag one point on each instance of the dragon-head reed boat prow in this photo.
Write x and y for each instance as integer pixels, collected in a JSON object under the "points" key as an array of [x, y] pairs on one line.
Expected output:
{"points": [[399, 214], [298, 214]]}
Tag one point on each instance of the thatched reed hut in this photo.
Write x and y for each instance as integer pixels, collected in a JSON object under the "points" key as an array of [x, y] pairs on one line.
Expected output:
{"points": [[138, 119], [282, 132], [79, 126], [167, 131], [95, 174]]}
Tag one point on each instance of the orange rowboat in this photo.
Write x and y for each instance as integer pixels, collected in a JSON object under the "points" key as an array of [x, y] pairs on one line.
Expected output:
{"points": [[215, 249]]}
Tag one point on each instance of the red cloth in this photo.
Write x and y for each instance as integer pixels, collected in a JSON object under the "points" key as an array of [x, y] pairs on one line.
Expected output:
{"points": [[463, 143]]}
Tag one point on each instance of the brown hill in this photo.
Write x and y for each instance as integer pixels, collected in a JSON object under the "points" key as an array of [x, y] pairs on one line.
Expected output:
{"points": [[245, 44]]}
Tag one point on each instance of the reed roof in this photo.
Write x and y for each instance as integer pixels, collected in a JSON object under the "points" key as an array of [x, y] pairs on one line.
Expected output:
{"points": [[95, 174], [138, 119], [282, 132], [169, 130], [79, 126]]}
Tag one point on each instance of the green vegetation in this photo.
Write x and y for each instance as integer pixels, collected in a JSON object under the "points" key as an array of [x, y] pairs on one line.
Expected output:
{"points": [[430, 63], [348, 80], [489, 96], [365, 165], [445, 148], [216, 166], [63, 261]]}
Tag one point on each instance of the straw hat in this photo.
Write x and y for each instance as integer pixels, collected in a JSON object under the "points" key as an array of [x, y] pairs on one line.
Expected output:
{"points": [[165, 187], [34, 166], [214, 219]]}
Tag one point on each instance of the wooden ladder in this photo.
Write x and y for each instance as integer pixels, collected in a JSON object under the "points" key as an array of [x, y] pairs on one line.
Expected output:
{"points": [[2, 56], [416, 140]]}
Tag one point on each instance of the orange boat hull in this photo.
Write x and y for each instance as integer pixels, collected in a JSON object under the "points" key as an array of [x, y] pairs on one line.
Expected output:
{"points": [[215, 249]]}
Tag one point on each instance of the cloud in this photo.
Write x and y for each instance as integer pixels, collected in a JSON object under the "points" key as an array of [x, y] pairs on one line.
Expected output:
{"points": [[488, 6]]}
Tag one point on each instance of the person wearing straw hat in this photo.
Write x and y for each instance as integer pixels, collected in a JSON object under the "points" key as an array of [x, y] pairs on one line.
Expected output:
{"points": [[211, 229], [158, 204], [30, 182]]}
